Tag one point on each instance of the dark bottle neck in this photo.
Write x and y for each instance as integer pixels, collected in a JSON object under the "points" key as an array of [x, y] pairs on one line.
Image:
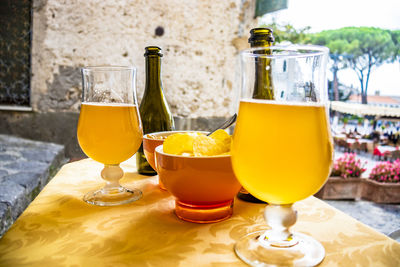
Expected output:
{"points": [[260, 43], [153, 74], [261, 37], [263, 86]]}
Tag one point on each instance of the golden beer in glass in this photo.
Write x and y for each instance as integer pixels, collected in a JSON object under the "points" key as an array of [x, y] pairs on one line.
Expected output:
{"points": [[282, 148], [109, 128]]}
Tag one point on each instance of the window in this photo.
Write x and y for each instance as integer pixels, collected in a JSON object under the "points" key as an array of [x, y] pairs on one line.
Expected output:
{"points": [[15, 52]]}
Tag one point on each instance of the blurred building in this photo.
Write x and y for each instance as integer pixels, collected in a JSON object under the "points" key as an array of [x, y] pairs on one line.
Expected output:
{"points": [[377, 100]]}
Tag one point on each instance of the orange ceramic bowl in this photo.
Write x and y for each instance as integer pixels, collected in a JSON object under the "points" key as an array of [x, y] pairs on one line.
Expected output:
{"points": [[153, 140], [204, 187]]}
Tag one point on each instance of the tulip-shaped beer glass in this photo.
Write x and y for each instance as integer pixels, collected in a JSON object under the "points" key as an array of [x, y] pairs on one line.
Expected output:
{"points": [[109, 128], [282, 149]]}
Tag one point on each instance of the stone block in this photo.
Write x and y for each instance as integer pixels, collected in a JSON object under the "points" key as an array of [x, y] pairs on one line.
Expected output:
{"points": [[14, 196], [25, 168], [28, 166], [7, 158], [3, 173], [28, 180], [5, 218]]}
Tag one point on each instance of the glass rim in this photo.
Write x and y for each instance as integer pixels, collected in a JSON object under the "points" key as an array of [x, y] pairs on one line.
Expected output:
{"points": [[299, 51], [146, 136], [108, 68], [285, 102]]}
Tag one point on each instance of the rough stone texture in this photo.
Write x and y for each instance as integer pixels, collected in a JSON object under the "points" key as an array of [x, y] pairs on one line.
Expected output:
{"points": [[25, 168], [200, 43], [55, 127]]}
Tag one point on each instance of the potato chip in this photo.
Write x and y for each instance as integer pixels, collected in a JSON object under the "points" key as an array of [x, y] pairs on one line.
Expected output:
{"points": [[223, 140], [205, 146], [179, 143], [198, 144]]}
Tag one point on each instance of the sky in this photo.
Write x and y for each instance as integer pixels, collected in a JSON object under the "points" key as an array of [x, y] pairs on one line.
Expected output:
{"points": [[335, 14]]}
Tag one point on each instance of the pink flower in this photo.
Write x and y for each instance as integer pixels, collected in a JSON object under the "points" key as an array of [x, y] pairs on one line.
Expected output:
{"points": [[348, 166]]}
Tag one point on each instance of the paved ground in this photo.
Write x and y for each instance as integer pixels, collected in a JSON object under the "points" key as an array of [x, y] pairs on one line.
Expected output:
{"points": [[384, 218]]}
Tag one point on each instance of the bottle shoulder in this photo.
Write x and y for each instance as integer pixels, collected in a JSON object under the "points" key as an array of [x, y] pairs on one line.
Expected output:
{"points": [[159, 104], [156, 117], [157, 124]]}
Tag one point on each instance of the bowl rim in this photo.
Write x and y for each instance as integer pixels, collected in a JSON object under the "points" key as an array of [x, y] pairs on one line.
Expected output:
{"points": [[160, 150], [145, 136]]}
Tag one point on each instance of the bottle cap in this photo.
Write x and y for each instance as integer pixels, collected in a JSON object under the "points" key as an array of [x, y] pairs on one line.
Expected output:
{"points": [[261, 34], [153, 50]]}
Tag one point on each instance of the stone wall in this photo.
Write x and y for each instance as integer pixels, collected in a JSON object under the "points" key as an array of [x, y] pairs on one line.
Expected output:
{"points": [[199, 38], [200, 41]]}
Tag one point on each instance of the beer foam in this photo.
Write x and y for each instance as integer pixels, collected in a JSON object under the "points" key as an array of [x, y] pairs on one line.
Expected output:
{"points": [[108, 104], [284, 103]]}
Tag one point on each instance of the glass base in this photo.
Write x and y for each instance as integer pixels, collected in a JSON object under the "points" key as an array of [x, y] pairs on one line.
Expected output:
{"points": [[306, 251], [112, 197], [204, 213]]}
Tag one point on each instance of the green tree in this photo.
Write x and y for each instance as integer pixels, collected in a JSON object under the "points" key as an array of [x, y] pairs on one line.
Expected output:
{"points": [[396, 40], [287, 32], [337, 48], [359, 48]]}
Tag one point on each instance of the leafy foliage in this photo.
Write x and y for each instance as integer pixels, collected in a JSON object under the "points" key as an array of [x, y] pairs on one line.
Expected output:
{"points": [[359, 48], [287, 33], [396, 40]]}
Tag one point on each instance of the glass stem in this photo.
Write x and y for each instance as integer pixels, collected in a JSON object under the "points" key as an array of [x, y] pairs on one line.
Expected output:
{"points": [[112, 174], [280, 218]]}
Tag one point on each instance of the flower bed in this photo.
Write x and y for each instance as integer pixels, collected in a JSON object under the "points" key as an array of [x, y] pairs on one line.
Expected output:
{"points": [[347, 166], [341, 188], [345, 181], [383, 185], [380, 192], [386, 172]]}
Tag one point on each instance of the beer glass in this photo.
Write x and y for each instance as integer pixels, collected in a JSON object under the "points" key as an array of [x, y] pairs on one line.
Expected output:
{"points": [[109, 128], [282, 148]]}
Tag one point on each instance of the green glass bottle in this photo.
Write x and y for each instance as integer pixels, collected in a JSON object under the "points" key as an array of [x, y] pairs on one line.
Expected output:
{"points": [[154, 111], [263, 87]]}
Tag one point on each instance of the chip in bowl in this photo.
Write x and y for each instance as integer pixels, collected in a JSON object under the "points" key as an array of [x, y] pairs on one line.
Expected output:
{"points": [[179, 143], [198, 144]]}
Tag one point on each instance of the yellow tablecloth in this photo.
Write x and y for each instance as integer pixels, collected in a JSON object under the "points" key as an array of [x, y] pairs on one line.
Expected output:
{"points": [[59, 229]]}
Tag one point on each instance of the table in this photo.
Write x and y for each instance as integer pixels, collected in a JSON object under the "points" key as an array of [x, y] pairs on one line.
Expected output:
{"points": [[59, 229], [369, 144], [339, 136], [353, 144], [384, 150]]}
